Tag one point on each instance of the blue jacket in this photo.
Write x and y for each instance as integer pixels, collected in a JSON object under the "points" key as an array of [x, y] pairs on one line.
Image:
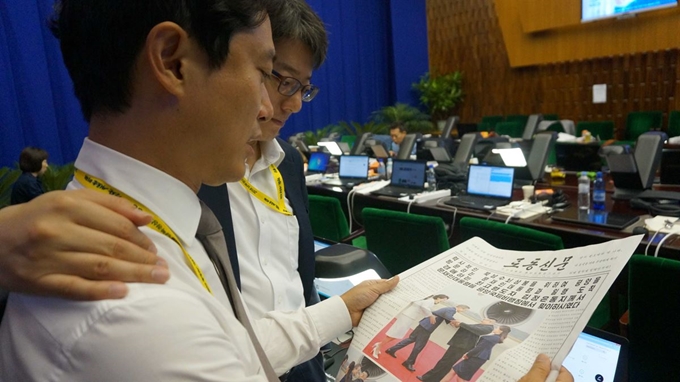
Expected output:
{"points": [[441, 315]]}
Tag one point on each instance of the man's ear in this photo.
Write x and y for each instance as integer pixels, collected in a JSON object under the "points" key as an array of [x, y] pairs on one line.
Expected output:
{"points": [[167, 46]]}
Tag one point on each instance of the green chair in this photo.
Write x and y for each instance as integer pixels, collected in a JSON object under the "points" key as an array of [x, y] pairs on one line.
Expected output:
{"points": [[402, 241], [556, 127], [674, 123], [602, 129], [509, 236], [349, 139], [551, 117], [639, 122], [519, 118], [511, 129], [653, 305], [489, 122], [329, 221]]}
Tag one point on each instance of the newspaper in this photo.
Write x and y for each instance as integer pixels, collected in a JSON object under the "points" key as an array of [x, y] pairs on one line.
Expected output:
{"points": [[540, 302]]}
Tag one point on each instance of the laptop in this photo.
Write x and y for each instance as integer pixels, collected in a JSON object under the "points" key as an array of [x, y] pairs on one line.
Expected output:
{"points": [[332, 147], [487, 188], [578, 156], [598, 356], [380, 152], [318, 162], [408, 178], [353, 170], [603, 219]]}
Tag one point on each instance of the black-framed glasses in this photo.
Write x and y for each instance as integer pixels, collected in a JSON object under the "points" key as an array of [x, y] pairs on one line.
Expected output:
{"points": [[288, 86]]}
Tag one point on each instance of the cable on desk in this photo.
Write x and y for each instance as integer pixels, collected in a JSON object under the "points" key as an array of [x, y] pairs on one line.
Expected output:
{"points": [[455, 210], [651, 240], [408, 208], [658, 246]]}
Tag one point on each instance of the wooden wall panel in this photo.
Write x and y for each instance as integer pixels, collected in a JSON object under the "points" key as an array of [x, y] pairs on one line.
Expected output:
{"points": [[465, 35]]}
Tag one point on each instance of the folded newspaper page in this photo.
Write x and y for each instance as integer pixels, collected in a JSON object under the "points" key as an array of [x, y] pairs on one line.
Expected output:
{"points": [[480, 313]]}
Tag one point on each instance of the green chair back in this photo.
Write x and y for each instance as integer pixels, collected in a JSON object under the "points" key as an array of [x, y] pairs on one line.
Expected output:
{"points": [[640, 122], [402, 241], [674, 123], [556, 127], [519, 118], [489, 122], [602, 129], [327, 218], [511, 129], [509, 236], [551, 117], [349, 139], [653, 306]]}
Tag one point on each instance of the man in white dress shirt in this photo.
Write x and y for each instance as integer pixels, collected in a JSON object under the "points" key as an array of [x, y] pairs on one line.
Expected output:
{"points": [[167, 87]]}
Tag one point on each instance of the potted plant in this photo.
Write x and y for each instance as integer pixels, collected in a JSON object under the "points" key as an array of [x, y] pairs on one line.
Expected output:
{"points": [[414, 120], [440, 94]]}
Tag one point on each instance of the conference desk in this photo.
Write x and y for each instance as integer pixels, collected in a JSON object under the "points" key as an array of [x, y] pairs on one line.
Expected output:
{"points": [[573, 235]]}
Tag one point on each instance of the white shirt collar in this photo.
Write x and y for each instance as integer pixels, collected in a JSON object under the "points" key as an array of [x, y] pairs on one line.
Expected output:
{"points": [[173, 201], [271, 153]]}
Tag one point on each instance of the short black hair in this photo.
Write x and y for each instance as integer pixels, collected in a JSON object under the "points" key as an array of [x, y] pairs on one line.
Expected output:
{"points": [[296, 20], [398, 125], [31, 158], [101, 39]]}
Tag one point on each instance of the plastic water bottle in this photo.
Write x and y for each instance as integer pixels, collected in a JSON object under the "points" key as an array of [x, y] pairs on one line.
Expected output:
{"points": [[598, 192], [583, 191], [389, 168], [381, 169], [431, 179]]}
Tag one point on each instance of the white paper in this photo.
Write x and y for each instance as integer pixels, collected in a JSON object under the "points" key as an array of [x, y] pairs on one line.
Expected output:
{"points": [[600, 93]]}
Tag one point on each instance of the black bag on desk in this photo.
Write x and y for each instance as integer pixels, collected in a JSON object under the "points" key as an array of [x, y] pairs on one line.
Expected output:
{"points": [[452, 176], [666, 203]]}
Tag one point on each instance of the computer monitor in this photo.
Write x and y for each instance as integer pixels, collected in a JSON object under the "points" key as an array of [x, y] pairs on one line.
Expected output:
{"points": [[360, 144], [596, 10], [332, 147], [406, 146]]}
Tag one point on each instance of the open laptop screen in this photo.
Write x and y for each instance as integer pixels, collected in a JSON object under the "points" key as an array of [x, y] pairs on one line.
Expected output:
{"points": [[353, 166], [408, 173], [318, 162], [490, 181]]}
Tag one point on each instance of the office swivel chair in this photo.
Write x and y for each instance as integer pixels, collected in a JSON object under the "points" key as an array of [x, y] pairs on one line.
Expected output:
{"points": [[329, 221], [673, 123], [640, 122], [653, 305], [509, 236], [406, 146], [466, 148], [512, 129], [451, 123], [531, 126], [402, 241], [634, 173]]}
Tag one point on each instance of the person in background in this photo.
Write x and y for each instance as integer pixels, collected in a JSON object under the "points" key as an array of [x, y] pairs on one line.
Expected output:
{"points": [[397, 133], [33, 163], [272, 250]]}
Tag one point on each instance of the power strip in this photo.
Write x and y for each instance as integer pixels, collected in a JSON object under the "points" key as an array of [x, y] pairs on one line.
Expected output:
{"points": [[366, 188], [426, 196], [313, 178]]}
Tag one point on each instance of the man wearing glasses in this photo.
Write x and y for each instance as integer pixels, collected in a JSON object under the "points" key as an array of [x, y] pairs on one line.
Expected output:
{"points": [[272, 233]]}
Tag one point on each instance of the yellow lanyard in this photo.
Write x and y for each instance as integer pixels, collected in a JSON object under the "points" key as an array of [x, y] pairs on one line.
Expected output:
{"points": [[280, 204], [157, 224]]}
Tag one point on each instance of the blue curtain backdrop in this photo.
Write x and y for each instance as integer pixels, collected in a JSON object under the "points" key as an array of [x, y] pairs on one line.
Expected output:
{"points": [[377, 49]]}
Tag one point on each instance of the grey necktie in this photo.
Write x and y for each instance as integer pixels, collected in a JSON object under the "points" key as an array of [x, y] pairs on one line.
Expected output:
{"points": [[211, 236]]}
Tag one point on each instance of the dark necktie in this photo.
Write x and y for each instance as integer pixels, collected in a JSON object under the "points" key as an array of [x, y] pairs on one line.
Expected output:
{"points": [[211, 236]]}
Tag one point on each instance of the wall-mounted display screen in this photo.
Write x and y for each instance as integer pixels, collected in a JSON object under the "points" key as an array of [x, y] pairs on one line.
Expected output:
{"points": [[600, 9]]}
